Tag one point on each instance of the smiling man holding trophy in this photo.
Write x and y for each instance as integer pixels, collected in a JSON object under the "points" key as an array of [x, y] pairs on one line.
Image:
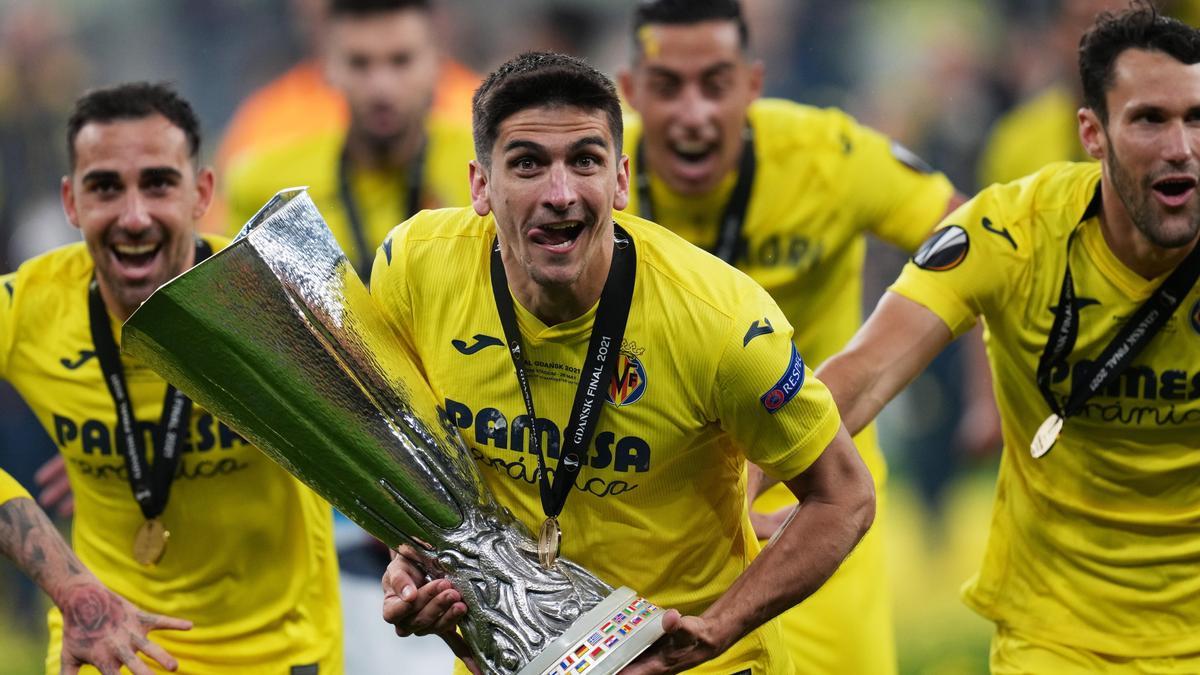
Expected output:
{"points": [[603, 379]]}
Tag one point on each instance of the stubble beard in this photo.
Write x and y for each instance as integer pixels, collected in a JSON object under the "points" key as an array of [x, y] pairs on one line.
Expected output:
{"points": [[1147, 215]]}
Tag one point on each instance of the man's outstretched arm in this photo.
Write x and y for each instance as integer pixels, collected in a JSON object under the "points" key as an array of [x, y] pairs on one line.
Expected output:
{"points": [[894, 346], [99, 627]]}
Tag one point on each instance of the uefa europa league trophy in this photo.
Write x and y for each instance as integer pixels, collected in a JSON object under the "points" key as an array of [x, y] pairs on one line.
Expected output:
{"points": [[278, 337]]}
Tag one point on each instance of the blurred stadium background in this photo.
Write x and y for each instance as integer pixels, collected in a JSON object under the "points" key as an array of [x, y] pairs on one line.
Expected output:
{"points": [[934, 74]]}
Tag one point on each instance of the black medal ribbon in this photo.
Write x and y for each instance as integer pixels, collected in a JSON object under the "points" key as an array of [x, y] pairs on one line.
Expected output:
{"points": [[734, 217], [608, 331], [1130, 340], [414, 175], [151, 483]]}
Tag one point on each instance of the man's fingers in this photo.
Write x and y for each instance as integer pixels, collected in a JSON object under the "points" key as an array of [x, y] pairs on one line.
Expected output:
{"points": [[53, 468], [399, 574], [431, 604], [459, 646], [162, 622], [136, 666], [672, 621], [160, 655]]}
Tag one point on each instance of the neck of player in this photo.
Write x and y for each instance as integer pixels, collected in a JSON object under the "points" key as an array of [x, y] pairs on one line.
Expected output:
{"points": [[373, 153], [1132, 248], [555, 303]]}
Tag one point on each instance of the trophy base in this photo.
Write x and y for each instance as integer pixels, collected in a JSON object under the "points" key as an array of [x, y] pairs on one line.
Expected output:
{"points": [[604, 639]]}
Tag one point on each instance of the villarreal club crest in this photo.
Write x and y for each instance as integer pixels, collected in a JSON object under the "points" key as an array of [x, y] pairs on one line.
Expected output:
{"points": [[628, 383]]}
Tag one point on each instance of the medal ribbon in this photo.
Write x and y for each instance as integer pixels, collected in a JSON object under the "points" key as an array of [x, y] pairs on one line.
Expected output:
{"points": [[1130, 340], [734, 217], [608, 330], [414, 175], [150, 488]]}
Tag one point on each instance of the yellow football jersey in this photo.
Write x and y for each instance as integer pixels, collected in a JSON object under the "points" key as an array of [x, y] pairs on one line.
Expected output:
{"points": [[821, 182], [1040, 131], [380, 196], [10, 488], [250, 559], [1095, 545], [660, 503]]}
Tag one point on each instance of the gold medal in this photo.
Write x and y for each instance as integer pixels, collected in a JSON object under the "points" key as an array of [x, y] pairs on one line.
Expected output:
{"points": [[150, 542], [549, 541], [1046, 435]]}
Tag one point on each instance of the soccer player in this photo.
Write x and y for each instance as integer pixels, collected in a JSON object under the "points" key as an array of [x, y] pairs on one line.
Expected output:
{"points": [[102, 628], [787, 193], [705, 375], [172, 509], [395, 159], [1085, 274]]}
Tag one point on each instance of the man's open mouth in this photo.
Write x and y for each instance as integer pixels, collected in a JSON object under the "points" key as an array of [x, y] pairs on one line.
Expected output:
{"points": [[135, 255], [693, 152], [556, 235], [1174, 190]]}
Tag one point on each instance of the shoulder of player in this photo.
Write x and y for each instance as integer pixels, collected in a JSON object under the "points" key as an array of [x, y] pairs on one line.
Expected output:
{"points": [[450, 138], [440, 233], [1047, 107], [682, 275], [786, 130], [216, 241], [258, 174], [44, 279], [1038, 210]]}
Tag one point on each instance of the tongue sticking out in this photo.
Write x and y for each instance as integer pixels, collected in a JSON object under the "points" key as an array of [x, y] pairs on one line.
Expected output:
{"points": [[556, 236]]}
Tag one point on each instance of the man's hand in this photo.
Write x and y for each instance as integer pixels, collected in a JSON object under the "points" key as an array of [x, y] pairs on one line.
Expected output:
{"points": [[416, 605], [767, 524], [56, 488], [688, 642], [102, 629]]}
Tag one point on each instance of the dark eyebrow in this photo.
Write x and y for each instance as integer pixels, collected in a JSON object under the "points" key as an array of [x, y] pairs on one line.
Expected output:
{"points": [[718, 69], [663, 72], [588, 141], [161, 172], [100, 175], [528, 145]]}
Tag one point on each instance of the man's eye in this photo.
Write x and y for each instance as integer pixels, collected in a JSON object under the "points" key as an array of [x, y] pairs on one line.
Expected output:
{"points": [[665, 88], [586, 162], [525, 164], [104, 187]]}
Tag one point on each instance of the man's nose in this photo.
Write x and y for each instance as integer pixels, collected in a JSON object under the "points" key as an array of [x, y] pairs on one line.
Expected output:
{"points": [[135, 214], [560, 189]]}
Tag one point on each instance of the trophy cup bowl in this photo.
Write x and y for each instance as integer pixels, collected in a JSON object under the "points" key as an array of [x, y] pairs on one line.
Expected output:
{"points": [[277, 336]]}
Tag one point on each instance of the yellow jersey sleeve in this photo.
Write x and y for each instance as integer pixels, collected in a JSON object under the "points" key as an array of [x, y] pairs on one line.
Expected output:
{"points": [[10, 488], [766, 398], [972, 264], [898, 196], [7, 318]]}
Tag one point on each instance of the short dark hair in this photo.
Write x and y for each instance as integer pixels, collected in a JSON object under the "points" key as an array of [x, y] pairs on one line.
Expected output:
{"points": [[131, 101], [1139, 27], [360, 8], [536, 79], [686, 12]]}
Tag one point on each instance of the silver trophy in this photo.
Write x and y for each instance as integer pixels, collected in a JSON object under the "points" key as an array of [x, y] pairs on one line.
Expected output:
{"points": [[278, 337]]}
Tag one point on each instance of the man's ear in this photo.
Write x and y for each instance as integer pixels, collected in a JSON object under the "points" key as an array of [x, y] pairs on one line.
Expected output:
{"points": [[67, 192], [206, 182], [621, 196], [758, 74], [1091, 134], [625, 83], [479, 188]]}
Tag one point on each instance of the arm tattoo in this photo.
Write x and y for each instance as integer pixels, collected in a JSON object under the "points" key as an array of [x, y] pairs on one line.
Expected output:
{"points": [[29, 538]]}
